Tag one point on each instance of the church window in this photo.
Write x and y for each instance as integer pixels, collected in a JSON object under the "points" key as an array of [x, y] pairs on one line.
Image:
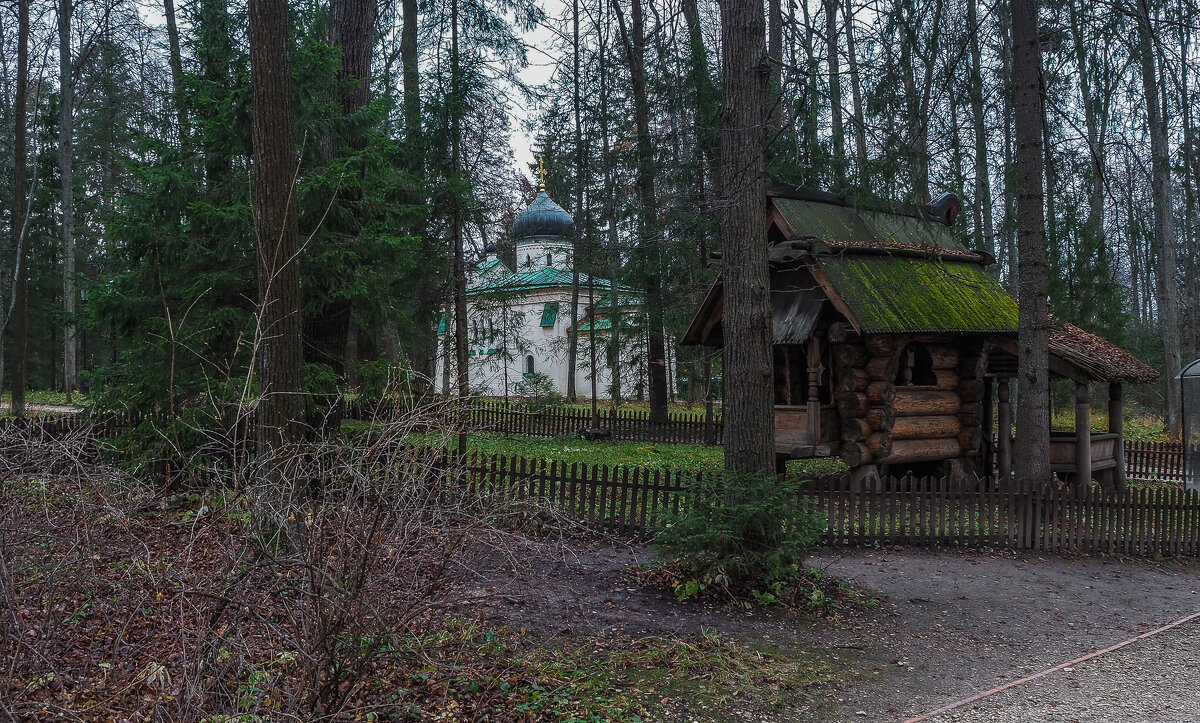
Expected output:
{"points": [[529, 364], [549, 260]]}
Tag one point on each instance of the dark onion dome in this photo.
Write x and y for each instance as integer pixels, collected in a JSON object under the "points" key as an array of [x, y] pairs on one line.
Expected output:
{"points": [[543, 217]]}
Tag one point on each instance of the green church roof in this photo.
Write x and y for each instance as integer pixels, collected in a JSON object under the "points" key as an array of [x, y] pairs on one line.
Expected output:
{"points": [[543, 278]]}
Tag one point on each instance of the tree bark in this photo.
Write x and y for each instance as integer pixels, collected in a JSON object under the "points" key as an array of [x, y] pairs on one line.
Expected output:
{"points": [[328, 318], [19, 310], [576, 112], [984, 234], [280, 409], [860, 125], [650, 241], [748, 410], [66, 121], [1166, 288], [176, 61], [1033, 412], [460, 269], [835, 93]]}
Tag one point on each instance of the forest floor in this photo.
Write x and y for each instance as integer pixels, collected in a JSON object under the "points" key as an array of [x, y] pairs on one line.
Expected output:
{"points": [[107, 596]]}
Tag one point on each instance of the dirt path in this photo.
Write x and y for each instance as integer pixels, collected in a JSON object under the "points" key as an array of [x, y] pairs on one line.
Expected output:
{"points": [[952, 624]]}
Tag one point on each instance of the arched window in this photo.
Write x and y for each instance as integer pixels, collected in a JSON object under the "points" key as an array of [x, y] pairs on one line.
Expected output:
{"points": [[529, 364], [916, 367], [549, 259]]}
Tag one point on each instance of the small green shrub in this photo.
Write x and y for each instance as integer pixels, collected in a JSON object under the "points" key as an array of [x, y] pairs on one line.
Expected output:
{"points": [[741, 533], [539, 391]]}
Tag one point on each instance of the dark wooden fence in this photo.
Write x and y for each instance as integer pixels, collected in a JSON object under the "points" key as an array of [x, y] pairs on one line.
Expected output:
{"points": [[928, 512], [907, 511], [1154, 461], [624, 425], [627, 501]]}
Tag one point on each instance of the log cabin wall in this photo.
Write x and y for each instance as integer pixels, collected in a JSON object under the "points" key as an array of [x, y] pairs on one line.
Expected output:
{"points": [[906, 400]]}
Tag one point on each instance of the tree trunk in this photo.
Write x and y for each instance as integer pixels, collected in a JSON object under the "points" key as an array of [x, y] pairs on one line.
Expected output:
{"points": [[572, 335], [281, 406], [65, 135], [649, 242], [1033, 411], [748, 410], [19, 309], [775, 50], [860, 125], [984, 235], [176, 61], [835, 94], [614, 333], [460, 269], [1167, 289], [327, 323]]}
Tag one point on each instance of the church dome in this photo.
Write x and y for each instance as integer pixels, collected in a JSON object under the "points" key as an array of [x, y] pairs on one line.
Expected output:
{"points": [[543, 217]]}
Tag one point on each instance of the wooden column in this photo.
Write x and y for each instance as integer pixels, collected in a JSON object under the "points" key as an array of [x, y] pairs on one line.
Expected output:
{"points": [[1116, 425], [1083, 438], [1004, 433], [814, 389], [986, 448]]}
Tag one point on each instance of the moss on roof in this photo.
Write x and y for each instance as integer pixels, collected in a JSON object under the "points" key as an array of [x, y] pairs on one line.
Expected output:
{"points": [[901, 294], [844, 224]]}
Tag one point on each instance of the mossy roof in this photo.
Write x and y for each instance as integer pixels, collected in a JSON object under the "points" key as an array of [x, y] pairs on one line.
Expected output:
{"points": [[905, 294], [836, 224]]}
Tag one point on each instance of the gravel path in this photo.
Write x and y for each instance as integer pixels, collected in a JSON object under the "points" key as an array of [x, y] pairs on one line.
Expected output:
{"points": [[1154, 679], [960, 623]]}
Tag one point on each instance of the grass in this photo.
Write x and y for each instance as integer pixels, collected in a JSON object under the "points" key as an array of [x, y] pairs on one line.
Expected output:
{"points": [[41, 396], [587, 678], [1138, 427], [689, 458]]}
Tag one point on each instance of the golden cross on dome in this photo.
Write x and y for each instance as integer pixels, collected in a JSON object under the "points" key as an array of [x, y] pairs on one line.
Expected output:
{"points": [[542, 171]]}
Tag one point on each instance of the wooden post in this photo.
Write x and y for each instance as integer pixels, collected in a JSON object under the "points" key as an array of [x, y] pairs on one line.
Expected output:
{"points": [[1004, 433], [814, 389], [1083, 438], [1116, 425], [988, 428]]}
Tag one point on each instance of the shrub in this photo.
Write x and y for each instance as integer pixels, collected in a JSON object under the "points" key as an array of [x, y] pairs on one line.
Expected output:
{"points": [[539, 391], [740, 533]]}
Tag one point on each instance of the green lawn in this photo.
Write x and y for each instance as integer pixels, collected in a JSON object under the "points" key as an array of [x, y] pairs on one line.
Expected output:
{"points": [[649, 455], [39, 396]]}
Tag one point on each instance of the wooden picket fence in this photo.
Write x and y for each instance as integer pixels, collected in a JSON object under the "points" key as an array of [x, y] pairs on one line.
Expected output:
{"points": [[907, 511], [1154, 461], [937, 513], [623, 500], [623, 425]]}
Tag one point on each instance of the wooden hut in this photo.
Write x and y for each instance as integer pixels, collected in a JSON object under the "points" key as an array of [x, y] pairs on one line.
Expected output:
{"points": [[892, 343]]}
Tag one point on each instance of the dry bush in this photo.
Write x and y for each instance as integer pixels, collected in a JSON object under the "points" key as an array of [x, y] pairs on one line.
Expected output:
{"points": [[297, 634]]}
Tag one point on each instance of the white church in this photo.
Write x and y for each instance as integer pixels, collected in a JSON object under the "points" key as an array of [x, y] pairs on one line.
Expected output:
{"points": [[519, 320]]}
